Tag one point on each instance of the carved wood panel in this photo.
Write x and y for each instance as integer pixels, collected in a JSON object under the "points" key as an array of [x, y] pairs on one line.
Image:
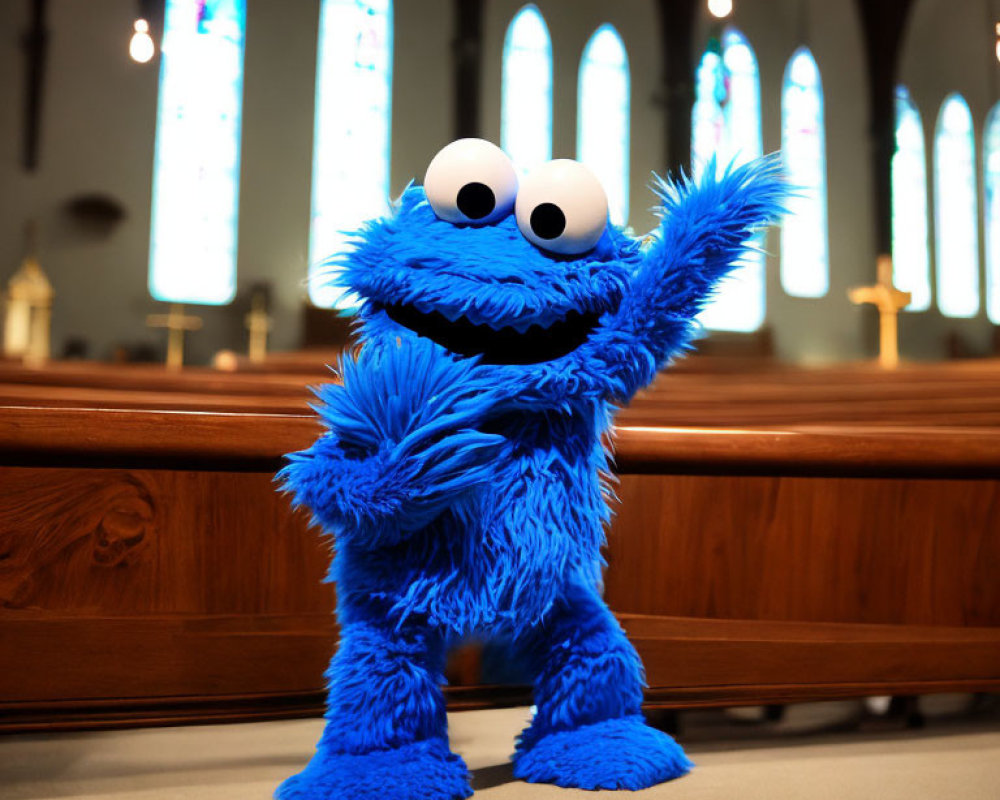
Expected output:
{"points": [[105, 542]]}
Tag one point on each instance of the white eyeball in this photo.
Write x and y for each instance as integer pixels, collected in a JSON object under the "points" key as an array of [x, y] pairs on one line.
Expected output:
{"points": [[471, 181], [561, 207]]}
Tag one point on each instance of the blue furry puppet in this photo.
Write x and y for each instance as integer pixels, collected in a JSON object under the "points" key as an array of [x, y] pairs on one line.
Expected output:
{"points": [[463, 475]]}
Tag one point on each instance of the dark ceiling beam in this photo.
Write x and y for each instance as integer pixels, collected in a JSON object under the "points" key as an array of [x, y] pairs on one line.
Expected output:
{"points": [[883, 23], [35, 44], [154, 12], [467, 60], [676, 21]]}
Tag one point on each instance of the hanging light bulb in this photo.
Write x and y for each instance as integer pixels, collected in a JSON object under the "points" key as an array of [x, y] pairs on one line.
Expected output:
{"points": [[997, 29], [720, 8], [141, 47]]}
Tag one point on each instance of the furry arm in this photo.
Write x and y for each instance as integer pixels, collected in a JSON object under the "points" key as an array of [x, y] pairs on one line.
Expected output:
{"points": [[401, 444], [706, 227]]}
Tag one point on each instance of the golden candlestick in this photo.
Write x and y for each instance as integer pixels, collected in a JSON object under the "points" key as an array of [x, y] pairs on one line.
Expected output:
{"points": [[888, 300], [27, 326], [177, 324]]}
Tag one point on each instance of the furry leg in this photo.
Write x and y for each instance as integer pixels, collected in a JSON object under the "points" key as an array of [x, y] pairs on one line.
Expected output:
{"points": [[386, 730], [588, 731]]}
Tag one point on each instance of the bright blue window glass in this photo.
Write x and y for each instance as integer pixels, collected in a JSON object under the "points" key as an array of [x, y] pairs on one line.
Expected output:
{"points": [[196, 171], [602, 127], [526, 102], [910, 250], [991, 166], [351, 133], [805, 268], [956, 210], [726, 123]]}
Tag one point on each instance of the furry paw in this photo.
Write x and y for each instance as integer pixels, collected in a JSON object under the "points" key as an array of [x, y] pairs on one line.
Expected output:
{"points": [[620, 753], [420, 771]]}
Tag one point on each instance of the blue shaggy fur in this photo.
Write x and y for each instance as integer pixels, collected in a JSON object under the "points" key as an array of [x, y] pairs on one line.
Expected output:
{"points": [[468, 497]]}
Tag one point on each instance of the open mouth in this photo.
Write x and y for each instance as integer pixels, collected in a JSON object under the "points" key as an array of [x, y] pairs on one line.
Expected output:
{"points": [[497, 346]]}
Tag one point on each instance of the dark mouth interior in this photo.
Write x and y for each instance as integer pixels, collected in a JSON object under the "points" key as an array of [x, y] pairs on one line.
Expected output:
{"points": [[503, 346]]}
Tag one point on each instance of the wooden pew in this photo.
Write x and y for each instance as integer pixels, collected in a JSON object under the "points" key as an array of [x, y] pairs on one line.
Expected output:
{"points": [[960, 394], [149, 574], [696, 392], [809, 563], [151, 377]]}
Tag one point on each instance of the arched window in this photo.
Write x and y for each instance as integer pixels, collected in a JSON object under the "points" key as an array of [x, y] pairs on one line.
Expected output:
{"points": [[726, 124], [602, 125], [910, 250], [526, 101], [956, 210], [350, 181], [196, 170], [708, 124], [805, 269], [991, 179]]}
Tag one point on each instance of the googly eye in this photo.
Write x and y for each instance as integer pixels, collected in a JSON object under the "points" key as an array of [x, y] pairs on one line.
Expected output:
{"points": [[471, 181], [561, 207]]}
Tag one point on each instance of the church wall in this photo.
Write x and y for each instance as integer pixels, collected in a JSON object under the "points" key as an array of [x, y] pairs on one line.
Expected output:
{"points": [[570, 27], [829, 328], [949, 47], [98, 131], [422, 88], [99, 118], [275, 170]]}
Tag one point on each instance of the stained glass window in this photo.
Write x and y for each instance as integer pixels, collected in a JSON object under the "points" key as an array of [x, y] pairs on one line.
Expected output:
{"points": [[602, 126], [991, 166], [526, 102], [805, 270], [955, 210], [708, 124], [196, 170], [726, 123], [351, 133], [910, 249]]}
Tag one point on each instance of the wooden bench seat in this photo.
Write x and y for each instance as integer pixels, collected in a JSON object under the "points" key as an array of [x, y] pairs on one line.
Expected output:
{"points": [[695, 393]]}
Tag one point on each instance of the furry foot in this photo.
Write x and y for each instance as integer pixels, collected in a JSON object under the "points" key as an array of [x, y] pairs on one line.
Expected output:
{"points": [[424, 770], [622, 753]]}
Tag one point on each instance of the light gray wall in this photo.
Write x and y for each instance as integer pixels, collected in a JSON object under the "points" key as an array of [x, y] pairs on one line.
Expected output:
{"points": [[422, 114], [828, 328], [98, 129], [100, 112], [96, 136], [571, 25], [950, 47]]}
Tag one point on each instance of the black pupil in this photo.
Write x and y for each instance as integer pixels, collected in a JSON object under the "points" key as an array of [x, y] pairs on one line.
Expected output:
{"points": [[548, 221], [476, 200]]}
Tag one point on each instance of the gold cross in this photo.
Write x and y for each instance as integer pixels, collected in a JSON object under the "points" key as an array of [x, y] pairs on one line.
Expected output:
{"points": [[258, 323], [176, 322], [888, 300]]}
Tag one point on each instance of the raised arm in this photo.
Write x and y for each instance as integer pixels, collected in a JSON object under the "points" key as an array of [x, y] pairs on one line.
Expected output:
{"points": [[706, 229], [401, 445]]}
